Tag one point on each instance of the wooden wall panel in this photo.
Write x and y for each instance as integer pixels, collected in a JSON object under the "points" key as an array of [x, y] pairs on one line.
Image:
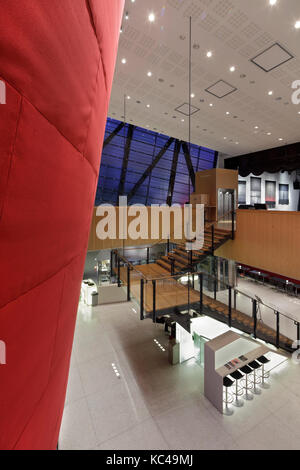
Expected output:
{"points": [[268, 240]]}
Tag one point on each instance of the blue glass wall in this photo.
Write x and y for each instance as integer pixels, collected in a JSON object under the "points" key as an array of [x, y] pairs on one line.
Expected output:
{"points": [[145, 145]]}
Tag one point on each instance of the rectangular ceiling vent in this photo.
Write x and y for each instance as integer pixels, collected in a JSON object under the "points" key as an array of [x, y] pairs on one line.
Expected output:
{"points": [[221, 89], [272, 58], [184, 109]]}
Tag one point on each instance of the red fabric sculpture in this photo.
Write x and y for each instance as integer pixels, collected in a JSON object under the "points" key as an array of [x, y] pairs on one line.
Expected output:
{"points": [[57, 61]]}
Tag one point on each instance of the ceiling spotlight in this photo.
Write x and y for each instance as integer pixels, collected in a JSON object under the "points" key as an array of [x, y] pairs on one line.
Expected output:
{"points": [[280, 138], [211, 105], [227, 112], [272, 2], [182, 120], [121, 29], [269, 133], [297, 25], [151, 17], [148, 105], [132, 1], [128, 97], [124, 61], [270, 93], [298, 112], [255, 127], [232, 68], [192, 95], [149, 74], [209, 54]]}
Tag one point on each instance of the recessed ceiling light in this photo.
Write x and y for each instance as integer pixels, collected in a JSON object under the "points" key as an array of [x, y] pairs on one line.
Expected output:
{"points": [[128, 97], [151, 17], [132, 1], [192, 95], [123, 61], [121, 29], [148, 105], [298, 112], [280, 138], [227, 112], [182, 120], [149, 74], [126, 15], [237, 143], [255, 127], [211, 105], [269, 133], [232, 68], [272, 2], [209, 54], [270, 92], [225, 138], [297, 24]]}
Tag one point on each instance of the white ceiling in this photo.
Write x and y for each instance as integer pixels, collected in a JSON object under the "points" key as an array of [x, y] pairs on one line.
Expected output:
{"points": [[235, 31]]}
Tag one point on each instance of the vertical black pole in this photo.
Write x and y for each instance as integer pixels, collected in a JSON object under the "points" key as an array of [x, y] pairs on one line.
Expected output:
{"points": [[277, 330], [191, 259], [201, 291], [119, 280], [229, 306], [212, 239], [148, 255], [254, 315], [142, 300], [128, 284], [234, 299], [232, 217], [154, 302], [193, 281], [298, 333], [168, 245], [111, 263]]}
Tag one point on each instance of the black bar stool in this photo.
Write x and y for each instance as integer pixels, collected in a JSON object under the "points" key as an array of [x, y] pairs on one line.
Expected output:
{"points": [[236, 375], [227, 383], [264, 375], [256, 381], [248, 386]]}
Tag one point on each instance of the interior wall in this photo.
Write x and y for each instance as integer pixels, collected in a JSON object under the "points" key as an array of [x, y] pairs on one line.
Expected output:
{"points": [[268, 240], [279, 178]]}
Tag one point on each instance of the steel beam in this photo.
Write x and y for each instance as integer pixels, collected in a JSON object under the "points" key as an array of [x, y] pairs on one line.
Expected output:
{"points": [[150, 168], [173, 172], [113, 134], [189, 163]]}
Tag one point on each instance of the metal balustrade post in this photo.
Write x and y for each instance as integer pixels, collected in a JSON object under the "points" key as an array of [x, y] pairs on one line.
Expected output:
{"points": [[128, 284], [148, 255], [232, 224], [201, 291], [234, 299], [168, 245], [142, 300], [229, 306], [254, 316], [277, 330], [111, 263], [154, 301], [119, 269], [298, 333], [172, 267], [212, 239]]}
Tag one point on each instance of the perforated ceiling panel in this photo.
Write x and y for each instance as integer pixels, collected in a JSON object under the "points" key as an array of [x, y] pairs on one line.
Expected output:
{"points": [[235, 31]]}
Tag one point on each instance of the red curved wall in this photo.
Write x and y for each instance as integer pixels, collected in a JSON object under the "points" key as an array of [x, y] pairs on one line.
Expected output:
{"points": [[57, 60]]}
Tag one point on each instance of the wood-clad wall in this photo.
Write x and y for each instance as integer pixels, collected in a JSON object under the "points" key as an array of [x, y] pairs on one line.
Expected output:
{"points": [[269, 240]]}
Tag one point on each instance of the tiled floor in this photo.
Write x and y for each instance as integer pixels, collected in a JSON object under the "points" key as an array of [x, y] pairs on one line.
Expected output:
{"points": [[154, 405]]}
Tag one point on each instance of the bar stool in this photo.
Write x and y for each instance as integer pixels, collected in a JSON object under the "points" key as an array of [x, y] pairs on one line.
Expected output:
{"points": [[236, 375], [227, 383], [248, 386], [264, 375], [255, 366]]}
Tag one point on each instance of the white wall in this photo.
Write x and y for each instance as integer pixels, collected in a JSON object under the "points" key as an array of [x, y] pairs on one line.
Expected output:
{"points": [[280, 178]]}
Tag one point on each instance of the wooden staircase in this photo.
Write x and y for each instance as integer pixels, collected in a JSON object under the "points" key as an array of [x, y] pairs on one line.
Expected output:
{"points": [[180, 260]]}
